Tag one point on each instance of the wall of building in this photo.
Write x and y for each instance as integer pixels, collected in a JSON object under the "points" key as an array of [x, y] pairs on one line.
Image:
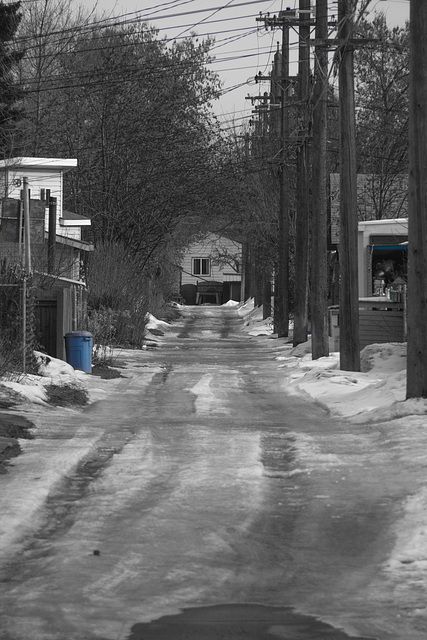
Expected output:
{"points": [[38, 181], [209, 247]]}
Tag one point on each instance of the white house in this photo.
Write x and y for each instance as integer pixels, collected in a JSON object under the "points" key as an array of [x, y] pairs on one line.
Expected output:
{"points": [[58, 285], [211, 271], [44, 175]]}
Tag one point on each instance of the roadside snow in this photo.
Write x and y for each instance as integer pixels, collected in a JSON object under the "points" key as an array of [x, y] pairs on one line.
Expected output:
{"points": [[51, 371], [374, 395], [380, 385], [154, 323], [231, 303]]}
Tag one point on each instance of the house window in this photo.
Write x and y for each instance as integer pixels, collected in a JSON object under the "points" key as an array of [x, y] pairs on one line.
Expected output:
{"points": [[201, 267]]}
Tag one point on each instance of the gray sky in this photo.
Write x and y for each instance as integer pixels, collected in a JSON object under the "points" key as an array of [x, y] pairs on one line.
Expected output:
{"points": [[241, 51]]}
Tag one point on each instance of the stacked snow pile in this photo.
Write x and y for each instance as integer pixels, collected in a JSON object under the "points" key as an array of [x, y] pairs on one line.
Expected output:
{"points": [[379, 385], [254, 324], [50, 371], [49, 367], [154, 326]]}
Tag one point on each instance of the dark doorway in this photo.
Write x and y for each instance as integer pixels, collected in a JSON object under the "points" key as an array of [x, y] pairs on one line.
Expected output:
{"points": [[46, 316]]}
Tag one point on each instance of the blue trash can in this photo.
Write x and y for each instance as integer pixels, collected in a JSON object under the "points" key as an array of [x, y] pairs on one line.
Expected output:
{"points": [[78, 345]]}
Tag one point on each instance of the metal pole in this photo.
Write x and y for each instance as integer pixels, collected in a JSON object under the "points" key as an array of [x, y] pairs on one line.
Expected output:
{"points": [[27, 240], [24, 324]]}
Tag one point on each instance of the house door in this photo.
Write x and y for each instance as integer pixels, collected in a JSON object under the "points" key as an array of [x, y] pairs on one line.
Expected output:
{"points": [[46, 315]]}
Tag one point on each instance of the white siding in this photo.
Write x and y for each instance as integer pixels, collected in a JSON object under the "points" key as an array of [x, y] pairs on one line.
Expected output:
{"points": [[75, 233], [207, 248], [38, 179]]}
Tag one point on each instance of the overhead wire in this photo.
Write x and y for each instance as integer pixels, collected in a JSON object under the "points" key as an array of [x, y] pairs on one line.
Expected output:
{"points": [[226, 58], [139, 17]]}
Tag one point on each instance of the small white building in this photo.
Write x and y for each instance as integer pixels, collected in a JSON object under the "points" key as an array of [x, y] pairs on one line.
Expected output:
{"points": [[211, 271], [59, 287], [382, 246], [45, 175]]}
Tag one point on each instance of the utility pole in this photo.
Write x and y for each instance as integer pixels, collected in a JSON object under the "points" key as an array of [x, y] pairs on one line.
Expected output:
{"points": [[281, 319], [417, 238], [27, 268], [276, 142], [263, 272], [281, 303], [319, 272], [349, 303], [303, 182], [256, 261], [282, 280]]}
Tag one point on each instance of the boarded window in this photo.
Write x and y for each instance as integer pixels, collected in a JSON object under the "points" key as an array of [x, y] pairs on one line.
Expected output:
{"points": [[201, 267]]}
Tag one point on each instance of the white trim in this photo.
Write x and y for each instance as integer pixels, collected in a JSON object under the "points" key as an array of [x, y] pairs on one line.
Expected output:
{"points": [[201, 273], [39, 163], [384, 221], [84, 222], [80, 283], [72, 242]]}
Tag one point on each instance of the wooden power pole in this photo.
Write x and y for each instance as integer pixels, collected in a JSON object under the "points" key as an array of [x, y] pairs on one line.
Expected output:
{"points": [[319, 219], [281, 306], [282, 280], [303, 180], [349, 303], [417, 262]]}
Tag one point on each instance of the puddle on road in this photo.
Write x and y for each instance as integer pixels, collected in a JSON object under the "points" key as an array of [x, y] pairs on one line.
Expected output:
{"points": [[238, 622]]}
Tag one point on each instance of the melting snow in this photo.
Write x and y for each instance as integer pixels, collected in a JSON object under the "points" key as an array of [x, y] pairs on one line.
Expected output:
{"points": [[375, 394]]}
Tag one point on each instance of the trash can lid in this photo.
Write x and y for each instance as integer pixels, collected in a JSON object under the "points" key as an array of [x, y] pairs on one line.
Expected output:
{"points": [[81, 334]]}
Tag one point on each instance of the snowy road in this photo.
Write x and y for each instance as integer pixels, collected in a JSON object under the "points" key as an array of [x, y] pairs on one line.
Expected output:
{"points": [[198, 484]]}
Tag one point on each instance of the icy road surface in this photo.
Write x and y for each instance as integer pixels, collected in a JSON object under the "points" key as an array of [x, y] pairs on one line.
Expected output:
{"points": [[197, 483]]}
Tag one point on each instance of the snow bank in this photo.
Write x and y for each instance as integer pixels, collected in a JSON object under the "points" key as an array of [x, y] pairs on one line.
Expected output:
{"points": [[29, 387], [51, 371], [376, 394], [254, 324], [154, 323], [379, 385]]}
